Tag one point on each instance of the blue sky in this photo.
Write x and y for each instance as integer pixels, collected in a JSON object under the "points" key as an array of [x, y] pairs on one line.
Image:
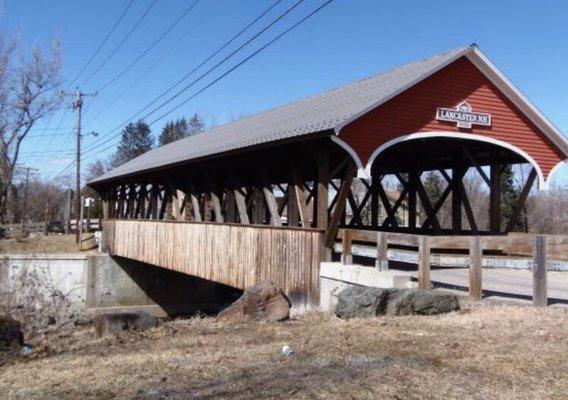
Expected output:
{"points": [[348, 40]]}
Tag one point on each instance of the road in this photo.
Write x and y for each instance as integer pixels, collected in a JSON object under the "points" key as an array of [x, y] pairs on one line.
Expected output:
{"points": [[511, 284]]}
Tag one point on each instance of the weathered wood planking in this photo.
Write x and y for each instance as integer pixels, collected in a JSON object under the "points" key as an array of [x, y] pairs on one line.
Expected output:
{"points": [[231, 254], [511, 244]]}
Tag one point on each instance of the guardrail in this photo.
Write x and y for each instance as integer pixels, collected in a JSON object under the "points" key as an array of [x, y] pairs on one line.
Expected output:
{"points": [[473, 245], [15, 230]]}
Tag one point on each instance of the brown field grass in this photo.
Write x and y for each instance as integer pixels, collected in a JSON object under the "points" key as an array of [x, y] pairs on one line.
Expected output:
{"points": [[51, 244], [485, 351]]}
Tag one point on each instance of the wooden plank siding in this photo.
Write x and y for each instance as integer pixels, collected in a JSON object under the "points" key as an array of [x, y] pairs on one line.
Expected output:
{"points": [[232, 254], [414, 111]]}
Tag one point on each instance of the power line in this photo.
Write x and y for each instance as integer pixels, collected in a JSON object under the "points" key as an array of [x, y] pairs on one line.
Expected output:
{"points": [[62, 171], [225, 59], [117, 22], [119, 46], [149, 48], [248, 58], [278, 37], [215, 53]]}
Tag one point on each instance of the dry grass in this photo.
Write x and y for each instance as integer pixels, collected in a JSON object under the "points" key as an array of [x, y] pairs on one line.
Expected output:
{"points": [[44, 244], [483, 352]]}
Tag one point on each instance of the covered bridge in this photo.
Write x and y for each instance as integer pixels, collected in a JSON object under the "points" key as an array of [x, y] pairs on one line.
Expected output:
{"points": [[265, 196]]}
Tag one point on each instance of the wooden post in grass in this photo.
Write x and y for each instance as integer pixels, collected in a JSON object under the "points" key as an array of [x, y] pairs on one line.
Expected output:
{"points": [[382, 262], [475, 268], [540, 298], [424, 262], [347, 243]]}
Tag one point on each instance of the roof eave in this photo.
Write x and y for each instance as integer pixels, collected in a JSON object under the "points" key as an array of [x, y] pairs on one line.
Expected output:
{"points": [[518, 99], [475, 55]]}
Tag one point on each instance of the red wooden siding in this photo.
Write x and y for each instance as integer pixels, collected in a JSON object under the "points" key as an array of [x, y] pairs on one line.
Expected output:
{"points": [[415, 109]]}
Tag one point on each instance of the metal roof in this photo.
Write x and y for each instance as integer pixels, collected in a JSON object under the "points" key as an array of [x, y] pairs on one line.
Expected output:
{"points": [[330, 110]]}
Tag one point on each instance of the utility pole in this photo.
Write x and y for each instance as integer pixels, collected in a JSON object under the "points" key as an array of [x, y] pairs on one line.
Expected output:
{"points": [[25, 205], [78, 106]]}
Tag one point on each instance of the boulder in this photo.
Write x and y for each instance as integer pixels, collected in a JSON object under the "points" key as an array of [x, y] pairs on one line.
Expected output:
{"points": [[360, 301], [423, 302], [11, 336], [109, 324], [261, 302]]}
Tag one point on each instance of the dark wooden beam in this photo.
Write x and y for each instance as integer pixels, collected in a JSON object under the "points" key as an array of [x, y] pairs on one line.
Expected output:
{"points": [[522, 199], [258, 211], [475, 163], [413, 179], [427, 205], [322, 194], [272, 205], [495, 199], [339, 208], [293, 211], [458, 172], [391, 217], [240, 200], [216, 205], [301, 200]]}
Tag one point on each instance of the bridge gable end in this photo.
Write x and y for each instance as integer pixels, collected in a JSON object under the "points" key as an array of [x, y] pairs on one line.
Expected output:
{"points": [[459, 83]]}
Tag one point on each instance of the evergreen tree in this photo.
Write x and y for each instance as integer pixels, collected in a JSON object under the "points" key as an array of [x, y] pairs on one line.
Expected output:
{"points": [[509, 199], [136, 139], [173, 131], [196, 125], [433, 186]]}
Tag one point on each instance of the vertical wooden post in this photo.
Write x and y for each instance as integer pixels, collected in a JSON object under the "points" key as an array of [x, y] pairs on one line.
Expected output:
{"points": [[257, 206], [196, 209], [339, 208], [457, 176], [475, 268], [540, 298], [293, 211], [375, 200], [322, 197], [155, 202], [301, 200], [495, 199], [412, 186], [382, 262], [216, 205], [347, 243], [230, 206], [424, 262], [106, 214]]}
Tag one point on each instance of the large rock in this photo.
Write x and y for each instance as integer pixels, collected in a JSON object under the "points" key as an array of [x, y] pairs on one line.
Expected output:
{"points": [[261, 302], [11, 336], [360, 301], [422, 302], [109, 324]]}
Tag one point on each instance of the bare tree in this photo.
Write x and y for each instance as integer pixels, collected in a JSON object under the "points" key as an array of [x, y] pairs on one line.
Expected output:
{"points": [[29, 90], [548, 210]]}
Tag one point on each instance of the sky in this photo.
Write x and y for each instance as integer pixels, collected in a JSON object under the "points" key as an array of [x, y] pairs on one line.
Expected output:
{"points": [[346, 41]]}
